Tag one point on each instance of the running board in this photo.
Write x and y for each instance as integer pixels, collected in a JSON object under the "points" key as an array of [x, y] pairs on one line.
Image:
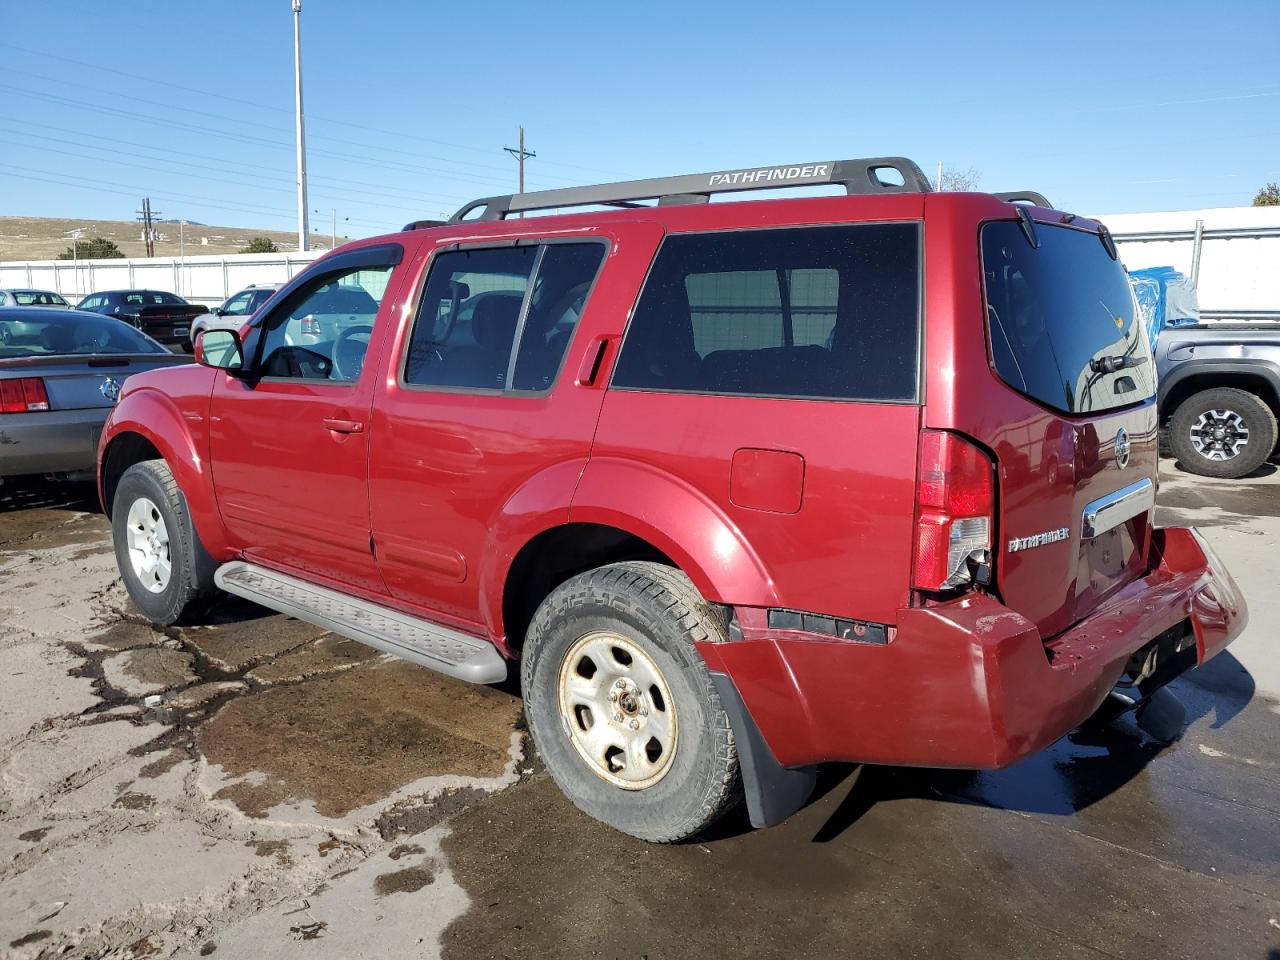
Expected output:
{"points": [[427, 644]]}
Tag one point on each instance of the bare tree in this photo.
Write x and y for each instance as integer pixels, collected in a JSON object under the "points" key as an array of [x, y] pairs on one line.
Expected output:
{"points": [[961, 181]]}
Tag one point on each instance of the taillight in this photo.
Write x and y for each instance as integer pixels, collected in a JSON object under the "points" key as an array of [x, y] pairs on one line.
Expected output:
{"points": [[955, 511], [26, 395]]}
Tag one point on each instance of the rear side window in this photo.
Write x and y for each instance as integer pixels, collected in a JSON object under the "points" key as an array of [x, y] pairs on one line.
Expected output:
{"points": [[1061, 320], [500, 319], [811, 313]]}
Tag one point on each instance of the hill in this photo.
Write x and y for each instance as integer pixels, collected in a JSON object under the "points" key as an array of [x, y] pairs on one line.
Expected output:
{"points": [[43, 238]]}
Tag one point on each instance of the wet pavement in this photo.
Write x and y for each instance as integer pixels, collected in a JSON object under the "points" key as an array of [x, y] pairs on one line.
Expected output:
{"points": [[256, 787]]}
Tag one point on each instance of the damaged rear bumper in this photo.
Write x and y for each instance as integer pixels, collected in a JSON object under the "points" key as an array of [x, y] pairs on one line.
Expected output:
{"points": [[971, 684]]}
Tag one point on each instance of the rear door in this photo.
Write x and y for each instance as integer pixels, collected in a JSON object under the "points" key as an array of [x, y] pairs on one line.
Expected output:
{"points": [[1077, 450], [485, 394]]}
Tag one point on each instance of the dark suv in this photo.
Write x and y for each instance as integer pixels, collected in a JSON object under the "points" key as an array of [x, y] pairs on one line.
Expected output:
{"points": [[744, 487], [163, 316]]}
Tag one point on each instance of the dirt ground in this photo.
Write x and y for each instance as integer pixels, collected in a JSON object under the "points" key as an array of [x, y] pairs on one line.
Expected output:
{"points": [[44, 238], [256, 787]]}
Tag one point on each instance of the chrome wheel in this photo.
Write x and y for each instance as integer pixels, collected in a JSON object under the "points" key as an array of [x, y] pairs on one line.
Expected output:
{"points": [[617, 709], [147, 539], [1219, 434]]}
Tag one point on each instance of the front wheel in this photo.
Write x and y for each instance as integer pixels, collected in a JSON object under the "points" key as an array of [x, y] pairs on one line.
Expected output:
{"points": [[163, 564], [622, 707], [1223, 432]]}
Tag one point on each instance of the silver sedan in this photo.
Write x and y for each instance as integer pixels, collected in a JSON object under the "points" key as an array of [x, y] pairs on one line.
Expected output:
{"points": [[60, 374]]}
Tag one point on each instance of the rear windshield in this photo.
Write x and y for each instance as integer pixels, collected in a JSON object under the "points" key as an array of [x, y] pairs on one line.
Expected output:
{"points": [[45, 333], [38, 298], [1061, 318], [152, 297]]}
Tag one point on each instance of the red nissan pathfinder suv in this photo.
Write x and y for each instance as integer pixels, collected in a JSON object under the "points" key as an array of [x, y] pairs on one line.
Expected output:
{"points": [[744, 487]]}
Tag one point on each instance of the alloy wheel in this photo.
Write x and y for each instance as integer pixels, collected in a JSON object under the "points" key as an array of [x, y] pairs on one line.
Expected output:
{"points": [[148, 544], [1219, 434]]}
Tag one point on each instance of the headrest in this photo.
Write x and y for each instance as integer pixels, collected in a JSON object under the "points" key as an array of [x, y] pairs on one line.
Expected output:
{"points": [[494, 322], [56, 338]]}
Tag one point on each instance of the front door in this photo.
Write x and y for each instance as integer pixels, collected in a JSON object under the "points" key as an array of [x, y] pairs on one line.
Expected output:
{"points": [[493, 390], [289, 446]]}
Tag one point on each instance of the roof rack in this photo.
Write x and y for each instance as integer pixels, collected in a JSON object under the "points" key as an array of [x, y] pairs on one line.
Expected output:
{"points": [[856, 176], [1024, 196], [423, 224]]}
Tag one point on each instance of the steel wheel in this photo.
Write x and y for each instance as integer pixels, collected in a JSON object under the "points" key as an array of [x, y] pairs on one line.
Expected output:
{"points": [[1219, 435], [147, 540], [618, 710]]}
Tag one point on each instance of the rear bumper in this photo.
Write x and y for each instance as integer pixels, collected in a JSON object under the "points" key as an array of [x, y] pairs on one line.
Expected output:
{"points": [[970, 684], [55, 441]]}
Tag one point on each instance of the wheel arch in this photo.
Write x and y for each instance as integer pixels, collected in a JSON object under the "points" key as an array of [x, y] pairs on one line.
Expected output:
{"points": [[555, 555], [148, 426], [681, 521], [1262, 379], [620, 510]]}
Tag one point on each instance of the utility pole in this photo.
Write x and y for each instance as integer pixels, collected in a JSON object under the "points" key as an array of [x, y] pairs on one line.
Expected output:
{"points": [[939, 186], [333, 225], [521, 154], [147, 216], [182, 253], [304, 229]]}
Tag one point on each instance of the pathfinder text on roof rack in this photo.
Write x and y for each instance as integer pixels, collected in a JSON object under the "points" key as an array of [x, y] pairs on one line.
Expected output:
{"points": [[812, 171]]}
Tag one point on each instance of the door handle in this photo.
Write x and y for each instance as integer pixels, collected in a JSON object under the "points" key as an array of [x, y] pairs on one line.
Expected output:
{"points": [[592, 361], [338, 425]]}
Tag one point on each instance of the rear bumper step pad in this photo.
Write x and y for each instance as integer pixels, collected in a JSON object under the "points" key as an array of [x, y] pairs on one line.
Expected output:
{"points": [[427, 644]]}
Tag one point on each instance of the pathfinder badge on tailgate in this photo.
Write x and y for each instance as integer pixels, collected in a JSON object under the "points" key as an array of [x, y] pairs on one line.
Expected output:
{"points": [[1038, 539]]}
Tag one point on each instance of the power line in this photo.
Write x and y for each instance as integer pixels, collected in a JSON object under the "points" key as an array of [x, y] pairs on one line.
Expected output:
{"points": [[242, 121], [348, 185], [125, 189], [45, 55], [362, 160]]}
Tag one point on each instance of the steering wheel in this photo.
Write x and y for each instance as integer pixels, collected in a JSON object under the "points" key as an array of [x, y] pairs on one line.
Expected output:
{"points": [[348, 352]]}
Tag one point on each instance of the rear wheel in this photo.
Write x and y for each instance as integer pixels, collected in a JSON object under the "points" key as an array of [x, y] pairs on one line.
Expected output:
{"points": [[1223, 432], [622, 707], [164, 566]]}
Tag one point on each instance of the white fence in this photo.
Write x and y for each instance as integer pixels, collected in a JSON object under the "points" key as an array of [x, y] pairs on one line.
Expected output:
{"points": [[207, 280], [1238, 279], [1239, 253]]}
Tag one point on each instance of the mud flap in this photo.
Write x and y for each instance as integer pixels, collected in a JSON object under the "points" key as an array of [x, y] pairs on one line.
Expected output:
{"points": [[773, 791], [1162, 716]]}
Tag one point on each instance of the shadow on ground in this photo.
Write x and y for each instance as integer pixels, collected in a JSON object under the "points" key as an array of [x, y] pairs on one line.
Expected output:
{"points": [[28, 493]]}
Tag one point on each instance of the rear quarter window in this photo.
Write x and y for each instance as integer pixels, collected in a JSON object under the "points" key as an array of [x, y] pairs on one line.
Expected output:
{"points": [[826, 312], [1061, 320]]}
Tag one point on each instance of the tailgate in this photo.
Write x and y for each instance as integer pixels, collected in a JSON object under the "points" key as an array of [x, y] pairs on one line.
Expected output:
{"points": [[1077, 475], [169, 320]]}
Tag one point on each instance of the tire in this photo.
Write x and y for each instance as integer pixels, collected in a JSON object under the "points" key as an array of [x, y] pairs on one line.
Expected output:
{"points": [[651, 613], [1226, 457], [146, 495]]}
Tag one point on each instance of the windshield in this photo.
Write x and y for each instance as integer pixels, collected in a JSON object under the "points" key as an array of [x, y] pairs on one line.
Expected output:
{"points": [[1061, 319], [45, 333]]}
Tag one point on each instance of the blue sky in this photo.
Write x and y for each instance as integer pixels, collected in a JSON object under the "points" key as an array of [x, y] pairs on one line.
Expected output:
{"points": [[1104, 107]]}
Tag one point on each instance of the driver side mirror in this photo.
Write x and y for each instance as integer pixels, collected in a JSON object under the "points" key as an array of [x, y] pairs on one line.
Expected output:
{"points": [[220, 349]]}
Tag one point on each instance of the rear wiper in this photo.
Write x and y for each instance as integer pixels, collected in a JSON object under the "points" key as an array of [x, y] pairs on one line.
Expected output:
{"points": [[1114, 363]]}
